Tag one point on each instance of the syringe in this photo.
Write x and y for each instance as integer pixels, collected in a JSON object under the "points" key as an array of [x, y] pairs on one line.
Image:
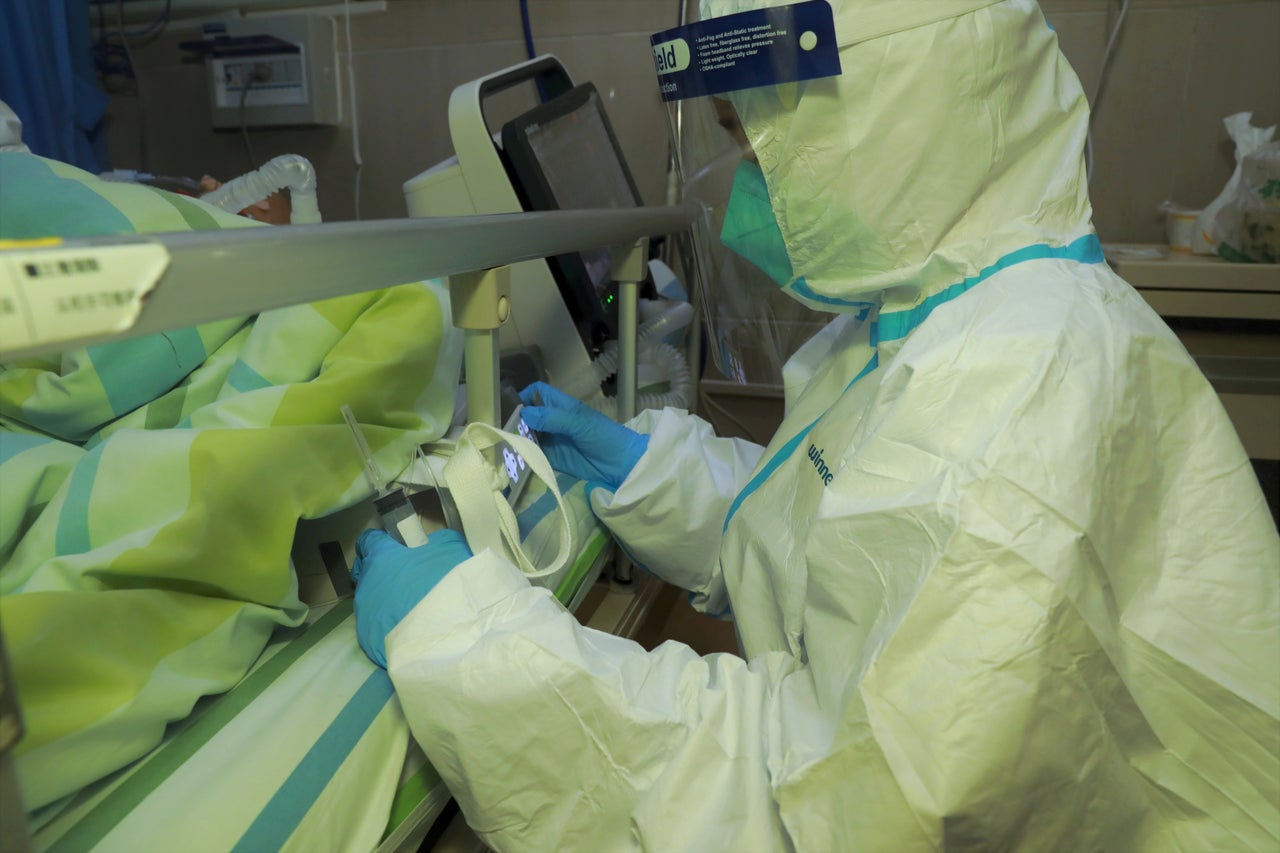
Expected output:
{"points": [[391, 503]]}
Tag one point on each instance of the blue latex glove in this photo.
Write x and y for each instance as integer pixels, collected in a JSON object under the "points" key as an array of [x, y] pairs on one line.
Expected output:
{"points": [[391, 579], [580, 441]]}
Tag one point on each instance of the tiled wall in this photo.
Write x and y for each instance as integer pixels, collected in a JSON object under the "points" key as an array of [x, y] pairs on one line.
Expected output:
{"points": [[1178, 68]]}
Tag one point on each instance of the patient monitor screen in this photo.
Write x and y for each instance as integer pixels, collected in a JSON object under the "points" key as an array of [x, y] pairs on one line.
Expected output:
{"points": [[563, 156], [580, 161]]}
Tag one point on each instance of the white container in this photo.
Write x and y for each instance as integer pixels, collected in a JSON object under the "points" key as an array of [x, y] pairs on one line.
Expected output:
{"points": [[1180, 228]]}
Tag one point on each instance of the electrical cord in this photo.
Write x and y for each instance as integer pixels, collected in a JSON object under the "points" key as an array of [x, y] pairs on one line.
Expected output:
{"points": [[154, 30], [260, 73], [708, 403], [137, 85], [528, 32], [148, 34], [355, 115], [101, 47], [111, 51], [124, 39], [1099, 87], [529, 49], [244, 125]]}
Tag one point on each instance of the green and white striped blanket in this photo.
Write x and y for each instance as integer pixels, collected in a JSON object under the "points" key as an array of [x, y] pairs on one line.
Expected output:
{"points": [[310, 751], [149, 489]]}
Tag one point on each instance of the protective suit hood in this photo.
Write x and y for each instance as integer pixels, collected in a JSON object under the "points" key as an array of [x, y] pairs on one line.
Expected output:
{"points": [[953, 137]]}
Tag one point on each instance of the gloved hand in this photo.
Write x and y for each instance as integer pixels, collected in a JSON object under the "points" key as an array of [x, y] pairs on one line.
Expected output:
{"points": [[391, 579], [580, 441]]}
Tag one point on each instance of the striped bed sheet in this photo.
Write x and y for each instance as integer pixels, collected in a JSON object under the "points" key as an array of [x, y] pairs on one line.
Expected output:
{"points": [[310, 751], [151, 485], [150, 489]]}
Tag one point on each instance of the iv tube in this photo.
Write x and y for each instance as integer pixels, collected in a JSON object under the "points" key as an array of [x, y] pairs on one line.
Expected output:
{"points": [[366, 455], [393, 506]]}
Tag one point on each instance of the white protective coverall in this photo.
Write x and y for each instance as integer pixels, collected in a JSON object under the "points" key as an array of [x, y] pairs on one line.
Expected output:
{"points": [[1004, 578]]}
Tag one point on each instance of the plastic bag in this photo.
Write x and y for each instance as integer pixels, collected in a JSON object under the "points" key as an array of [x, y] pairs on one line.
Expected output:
{"points": [[1221, 228], [1260, 213]]}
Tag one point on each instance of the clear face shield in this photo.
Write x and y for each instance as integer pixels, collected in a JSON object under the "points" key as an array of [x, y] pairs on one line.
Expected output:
{"points": [[734, 256]]}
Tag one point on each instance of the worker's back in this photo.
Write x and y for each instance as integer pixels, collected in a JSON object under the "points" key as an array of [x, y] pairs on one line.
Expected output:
{"points": [[1038, 580]]}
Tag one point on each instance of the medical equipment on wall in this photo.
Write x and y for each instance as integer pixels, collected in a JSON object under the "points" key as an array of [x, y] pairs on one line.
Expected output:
{"points": [[290, 172], [271, 71], [560, 155]]}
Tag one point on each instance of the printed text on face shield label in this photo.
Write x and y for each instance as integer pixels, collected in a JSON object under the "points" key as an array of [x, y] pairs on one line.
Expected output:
{"points": [[723, 50], [760, 47]]}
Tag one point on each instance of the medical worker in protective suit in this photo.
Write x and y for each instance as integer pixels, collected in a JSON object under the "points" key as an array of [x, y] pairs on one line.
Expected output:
{"points": [[1003, 579]]}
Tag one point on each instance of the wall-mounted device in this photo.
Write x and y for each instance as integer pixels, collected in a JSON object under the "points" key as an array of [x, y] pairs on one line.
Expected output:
{"points": [[277, 71]]}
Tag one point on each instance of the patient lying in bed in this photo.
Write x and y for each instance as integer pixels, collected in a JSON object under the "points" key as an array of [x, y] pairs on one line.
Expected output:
{"points": [[151, 487]]}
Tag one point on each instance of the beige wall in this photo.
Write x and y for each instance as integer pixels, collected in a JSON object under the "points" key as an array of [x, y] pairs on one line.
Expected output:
{"points": [[1179, 67], [407, 61]]}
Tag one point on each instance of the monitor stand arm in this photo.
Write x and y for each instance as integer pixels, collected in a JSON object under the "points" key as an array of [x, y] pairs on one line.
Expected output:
{"points": [[481, 303]]}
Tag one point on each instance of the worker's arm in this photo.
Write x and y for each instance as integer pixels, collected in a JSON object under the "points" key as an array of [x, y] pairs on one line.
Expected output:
{"points": [[669, 512], [992, 717], [552, 736]]}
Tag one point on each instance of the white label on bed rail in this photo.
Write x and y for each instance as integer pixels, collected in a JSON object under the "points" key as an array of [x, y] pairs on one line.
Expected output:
{"points": [[71, 292]]}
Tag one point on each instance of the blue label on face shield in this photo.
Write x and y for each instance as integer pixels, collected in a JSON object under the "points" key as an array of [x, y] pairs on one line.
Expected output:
{"points": [[762, 47]]}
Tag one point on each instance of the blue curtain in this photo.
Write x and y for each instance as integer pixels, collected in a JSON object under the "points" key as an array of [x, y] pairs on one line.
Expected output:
{"points": [[47, 77]]}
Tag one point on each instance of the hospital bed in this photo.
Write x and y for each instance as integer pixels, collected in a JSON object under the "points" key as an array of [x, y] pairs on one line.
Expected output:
{"points": [[309, 750]]}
